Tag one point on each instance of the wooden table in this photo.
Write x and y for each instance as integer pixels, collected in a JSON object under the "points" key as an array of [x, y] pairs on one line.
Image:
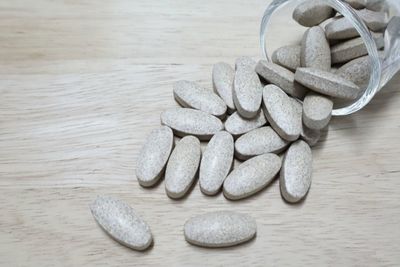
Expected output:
{"points": [[84, 82]]}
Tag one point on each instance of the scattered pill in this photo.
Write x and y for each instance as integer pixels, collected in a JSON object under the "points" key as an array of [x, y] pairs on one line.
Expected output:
{"points": [[288, 57], [121, 222], [216, 163], [154, 156], [315, 49], [223, 75], [317, 111], [185, 121], [313, 12], [220, 229], [236, 125]]}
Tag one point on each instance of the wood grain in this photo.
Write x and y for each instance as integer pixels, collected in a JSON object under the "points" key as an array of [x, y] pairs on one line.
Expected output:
{"points": [[84, 82]]}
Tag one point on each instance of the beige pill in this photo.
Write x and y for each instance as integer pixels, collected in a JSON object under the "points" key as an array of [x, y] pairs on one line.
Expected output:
{"points": [[154, 156], [216, 163], [357, 4], [191, 95], [343, 29], [354, 48], [247, 92], [317, 111], [327, 83], [315, 49], [251, 176], [259, 141], [220, 229], [121, 222], [288, 57], [357, 71], [223, 75], [246, 62], [377, 5], [281, 77], [185, 121], [237, 125], [296, 172], [313, 12], [281, 113], [182, 167]]}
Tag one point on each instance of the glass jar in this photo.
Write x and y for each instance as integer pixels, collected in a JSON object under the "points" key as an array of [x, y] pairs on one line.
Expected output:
{"points": [[382, 70]]}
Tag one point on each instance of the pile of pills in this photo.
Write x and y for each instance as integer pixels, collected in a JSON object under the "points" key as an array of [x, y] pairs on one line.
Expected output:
{"points": [[266, 114]]}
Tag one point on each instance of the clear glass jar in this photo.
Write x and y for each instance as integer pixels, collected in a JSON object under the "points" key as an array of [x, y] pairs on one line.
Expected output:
{"points": [[382, 70]]}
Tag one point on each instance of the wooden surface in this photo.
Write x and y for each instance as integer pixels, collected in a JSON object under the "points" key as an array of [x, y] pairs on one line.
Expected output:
{"points": [[81, 85]]}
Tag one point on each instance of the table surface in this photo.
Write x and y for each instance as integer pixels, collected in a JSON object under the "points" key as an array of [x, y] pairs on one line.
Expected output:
{"points": [[84, 82]]}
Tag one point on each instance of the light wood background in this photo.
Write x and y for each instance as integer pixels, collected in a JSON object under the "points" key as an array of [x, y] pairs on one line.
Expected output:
{"points": [[81, 85]]}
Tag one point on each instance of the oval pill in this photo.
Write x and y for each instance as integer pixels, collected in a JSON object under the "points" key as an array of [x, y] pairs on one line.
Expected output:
{"points": [[223, 75], [317, 111], [237, 125]]}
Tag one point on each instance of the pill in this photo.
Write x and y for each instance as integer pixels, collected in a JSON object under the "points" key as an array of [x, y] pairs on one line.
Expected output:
{"points": [[251, 176], [281, 113], [357, 71], [216, 163], [185, 121], [154, 156], [222, 76], [315, 49], [247, 92], [317, 111], [377, 5], [327, 83], [259, 141], [287, 56], [281, 77], [357, 4], [343, 29], [295, 175], [191, 95], [354, 48], [245, 62], [313, 12], [237, 125], [220, 229], [182, 167], [121, 222]]}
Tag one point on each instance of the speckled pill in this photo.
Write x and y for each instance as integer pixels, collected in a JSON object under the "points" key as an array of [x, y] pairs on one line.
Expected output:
{"points": [[315, 49], [313, 12], [220, 229], [281, 113], [357, 71], [154, 156], [191, 95], [327, 83], [296, 172], [317, 111], [185, 121], [223, 75], [246, 62], [121, 222], [288, 57], [182, 167], [259, 141], [281, 77], [216, 163], [251, 176], [237, 125]]}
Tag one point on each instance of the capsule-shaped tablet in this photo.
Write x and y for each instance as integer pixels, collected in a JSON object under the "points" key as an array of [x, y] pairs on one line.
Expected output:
{"points": [[247, 92], [216, 163], [357, 71], [315, 49], [281, 113], [280, 77], [317, 111], [220, 229], [259, 141], [288, 57], [237, 125], [327, 83], [313, 12], [191, 95], [185, 121], [154, 156], [121, 222], [295, 175], [182, 167], [251, 176], [223, 75]]}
